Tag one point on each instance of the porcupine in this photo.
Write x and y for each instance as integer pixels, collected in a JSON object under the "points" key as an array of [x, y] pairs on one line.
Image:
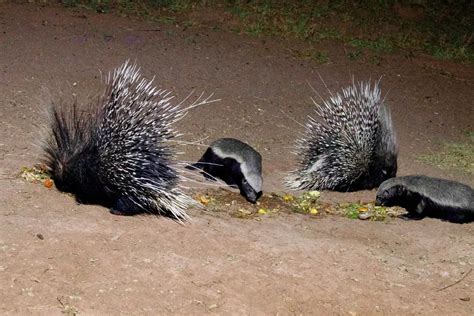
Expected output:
{"points": [[116, 154], [425, 196], [353, 147]]}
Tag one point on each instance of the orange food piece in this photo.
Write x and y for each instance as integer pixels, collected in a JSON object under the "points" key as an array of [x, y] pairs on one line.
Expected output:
{"points": [[48, 183]]}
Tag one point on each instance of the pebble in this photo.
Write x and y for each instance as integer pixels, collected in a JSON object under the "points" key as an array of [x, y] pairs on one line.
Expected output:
{"points": [[365, 215]]}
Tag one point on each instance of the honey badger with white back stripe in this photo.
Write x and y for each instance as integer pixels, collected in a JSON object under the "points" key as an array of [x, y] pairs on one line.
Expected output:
{"points": [[236, 163], [426, 196]]}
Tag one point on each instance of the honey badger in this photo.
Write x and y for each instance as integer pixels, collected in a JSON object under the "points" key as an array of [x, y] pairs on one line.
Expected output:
{"points": [[425, 196], [236, 163]]}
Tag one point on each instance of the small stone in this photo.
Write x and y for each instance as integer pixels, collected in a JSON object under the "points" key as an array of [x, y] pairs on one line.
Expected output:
{"points": [[213, 306], [314, 194], [365, 215], [243, 211], [40, 236], [465, 299]]}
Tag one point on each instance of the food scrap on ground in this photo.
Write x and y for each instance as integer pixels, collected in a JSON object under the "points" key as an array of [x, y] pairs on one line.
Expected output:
{"points": [[308, 203]]}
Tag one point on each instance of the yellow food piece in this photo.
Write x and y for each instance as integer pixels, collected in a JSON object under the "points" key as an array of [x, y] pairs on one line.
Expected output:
{"points": [[204, 200], [262, 211], [288, 198], [362, 209], [313, 211]]}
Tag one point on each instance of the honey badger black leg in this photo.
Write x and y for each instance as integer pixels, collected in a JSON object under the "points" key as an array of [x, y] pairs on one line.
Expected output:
{"points": [[424, 196]]}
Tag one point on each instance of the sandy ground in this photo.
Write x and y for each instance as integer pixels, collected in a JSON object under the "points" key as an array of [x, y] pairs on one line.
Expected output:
{"points": [[58, 256]]}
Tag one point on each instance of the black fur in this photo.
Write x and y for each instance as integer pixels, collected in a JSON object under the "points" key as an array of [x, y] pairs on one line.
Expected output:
{"points": [[380, 169], [424, 196], [71, 155]]}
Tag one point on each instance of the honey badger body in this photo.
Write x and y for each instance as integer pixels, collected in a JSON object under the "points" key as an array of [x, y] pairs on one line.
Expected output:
{"points": [[116, 154], [236, 163], [425, 196]]}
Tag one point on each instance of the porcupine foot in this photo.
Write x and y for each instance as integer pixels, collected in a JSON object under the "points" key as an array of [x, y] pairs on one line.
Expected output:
{"points": [[124, 207]]}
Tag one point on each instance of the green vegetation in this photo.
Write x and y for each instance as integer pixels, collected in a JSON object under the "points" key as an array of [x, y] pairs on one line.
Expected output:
{"points": [[37, 173], [352, 210], [320, 57], [457, 156], [382, 45], [307, 203], [366, 211], [440, 28]]}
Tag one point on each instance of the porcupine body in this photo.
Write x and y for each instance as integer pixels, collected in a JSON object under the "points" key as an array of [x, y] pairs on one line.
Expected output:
{"points": [[115, 152], [353, 145]]}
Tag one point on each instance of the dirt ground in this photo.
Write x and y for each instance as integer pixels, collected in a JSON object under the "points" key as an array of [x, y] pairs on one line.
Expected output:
{"points": [[57, 256]]}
